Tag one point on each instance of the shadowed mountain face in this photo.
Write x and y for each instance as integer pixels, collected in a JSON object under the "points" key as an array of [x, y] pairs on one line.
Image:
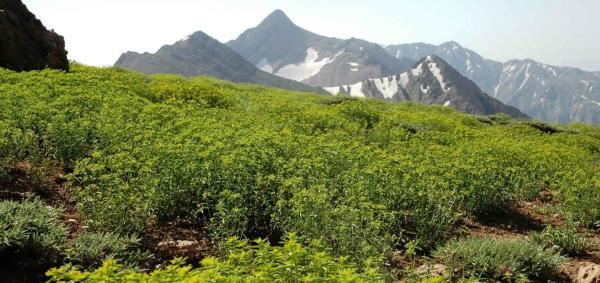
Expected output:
{"points": [[431, 81], [200, 54], [25, 44], [550, 93], [280, 47]]}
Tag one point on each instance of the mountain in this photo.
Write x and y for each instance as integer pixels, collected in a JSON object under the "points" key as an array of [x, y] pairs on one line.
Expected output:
{"points": [[430, 81], [25, 44], [280, 47], [550, 93], [200, 54]]}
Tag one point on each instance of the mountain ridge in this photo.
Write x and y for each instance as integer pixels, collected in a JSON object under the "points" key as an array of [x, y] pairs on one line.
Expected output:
{"points": [[430, 81], [550, 93], [200, 54]]}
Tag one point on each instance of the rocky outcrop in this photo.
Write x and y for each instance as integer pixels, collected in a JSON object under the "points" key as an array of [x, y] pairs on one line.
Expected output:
{"points": [[588, 273], [25, 44]]}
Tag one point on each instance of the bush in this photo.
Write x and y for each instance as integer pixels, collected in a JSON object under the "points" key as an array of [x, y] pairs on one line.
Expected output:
{"points": [[499, 258], [31, 240], [89, 250], [260, 262], [30, 226], [565, 239]]}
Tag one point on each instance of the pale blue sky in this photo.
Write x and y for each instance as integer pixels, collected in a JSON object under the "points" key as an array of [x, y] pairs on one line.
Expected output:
{"points": [[558, 32]]}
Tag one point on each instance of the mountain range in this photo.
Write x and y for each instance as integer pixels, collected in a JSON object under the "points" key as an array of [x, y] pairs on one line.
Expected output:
{"points": [[279, 53], [550, 93], [200, 54], [430, 81]]}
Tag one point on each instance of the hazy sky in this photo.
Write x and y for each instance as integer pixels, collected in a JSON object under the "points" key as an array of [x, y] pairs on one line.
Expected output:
{"points": [[558, 32]]}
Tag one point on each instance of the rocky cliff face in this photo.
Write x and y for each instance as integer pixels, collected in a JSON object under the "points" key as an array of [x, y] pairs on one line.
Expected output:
{"points": [[25, 44]]}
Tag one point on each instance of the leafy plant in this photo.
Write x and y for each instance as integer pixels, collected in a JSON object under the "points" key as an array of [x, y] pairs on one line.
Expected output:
{"points": [[499, 258], [30, 226], [260, 262], [89, 250], [565, 239], [31, 240]]}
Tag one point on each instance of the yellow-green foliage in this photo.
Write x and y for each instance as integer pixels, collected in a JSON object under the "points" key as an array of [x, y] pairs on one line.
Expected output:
{"points": [[244, 263], [358, 175]]}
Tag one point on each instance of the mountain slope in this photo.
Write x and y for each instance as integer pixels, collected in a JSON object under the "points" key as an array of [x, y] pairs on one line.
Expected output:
{"points": [[555, 94], [200, 54], [278, 46], [431, 81]]}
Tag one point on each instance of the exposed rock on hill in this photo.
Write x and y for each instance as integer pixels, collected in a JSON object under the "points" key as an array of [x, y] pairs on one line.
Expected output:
{"points": [[25, 44]]}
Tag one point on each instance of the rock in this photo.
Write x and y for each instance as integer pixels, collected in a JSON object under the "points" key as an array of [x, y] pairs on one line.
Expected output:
{"points": [[182, 244], [25, 44], [428, 270], [588, 273]]}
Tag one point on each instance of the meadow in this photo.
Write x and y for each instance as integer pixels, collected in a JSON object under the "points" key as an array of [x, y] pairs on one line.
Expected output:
{"points": [[286, 185]]}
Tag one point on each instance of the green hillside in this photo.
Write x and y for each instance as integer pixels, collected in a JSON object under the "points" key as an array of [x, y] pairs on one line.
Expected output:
{"points": [[332, 185]]}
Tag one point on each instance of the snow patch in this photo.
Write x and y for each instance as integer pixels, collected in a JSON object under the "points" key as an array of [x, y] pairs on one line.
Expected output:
{"points": [[447, 103], [356, 90], [424, 89], [592, 101], [306, 69], [333, 90], [418, 70], [404, 79], [354, 70], [354, 64], [433, 67], [387, 86], [510, 68], [527, 76], [265, 65]]}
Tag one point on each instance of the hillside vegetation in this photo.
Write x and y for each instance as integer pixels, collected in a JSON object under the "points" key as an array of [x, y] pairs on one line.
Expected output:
{"points": [[332, 185]]}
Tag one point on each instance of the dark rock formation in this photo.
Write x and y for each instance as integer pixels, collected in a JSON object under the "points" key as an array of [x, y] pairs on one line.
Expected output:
{"points": [[25, 44]]}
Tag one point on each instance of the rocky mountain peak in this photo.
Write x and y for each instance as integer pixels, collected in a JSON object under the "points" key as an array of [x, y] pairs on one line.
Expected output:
{"points": [[275, 21]]}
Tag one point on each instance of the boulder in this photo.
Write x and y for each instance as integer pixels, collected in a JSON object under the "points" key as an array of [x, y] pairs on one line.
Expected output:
{"points": [[588, 273], [25, 44]]}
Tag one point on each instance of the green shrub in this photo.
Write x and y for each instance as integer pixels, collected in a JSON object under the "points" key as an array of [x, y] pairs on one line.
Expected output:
{"points": [[498, 258], [260, 262], [31, 240], [89, 250], [359, 175], [30, 226], [565, 239]]}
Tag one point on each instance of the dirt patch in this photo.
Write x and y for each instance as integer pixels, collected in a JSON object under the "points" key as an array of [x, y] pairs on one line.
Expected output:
{"points": [[49, 184], [179, 238]]}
